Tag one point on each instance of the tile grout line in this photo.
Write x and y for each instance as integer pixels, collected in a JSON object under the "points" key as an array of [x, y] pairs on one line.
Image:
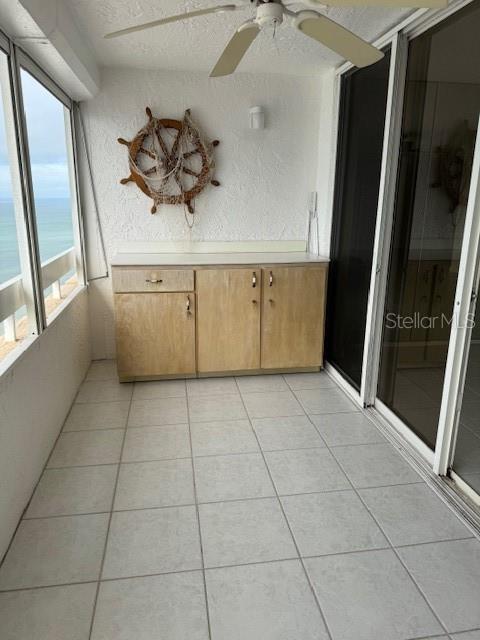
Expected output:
{"points": [[215, 567], [327, 629], [439, 636], [197, 512], [187, 504], [392, 547], [420, 591], [95, 601], [167, 573], [246, 499], [90, 430]]}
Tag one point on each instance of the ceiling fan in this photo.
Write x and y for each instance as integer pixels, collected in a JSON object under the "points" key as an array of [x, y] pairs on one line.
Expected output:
{"points": [[271, 14]]}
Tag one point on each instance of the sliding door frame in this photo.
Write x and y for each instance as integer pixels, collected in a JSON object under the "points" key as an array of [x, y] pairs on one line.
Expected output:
{"points": [[439, 460], [383, 229], [394, 103], [465, 302], [386, 197]]}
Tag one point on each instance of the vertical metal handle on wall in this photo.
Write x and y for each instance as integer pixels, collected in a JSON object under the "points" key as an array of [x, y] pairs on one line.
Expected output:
{"points": [[270, 279], [188, 305], [254, 279]]}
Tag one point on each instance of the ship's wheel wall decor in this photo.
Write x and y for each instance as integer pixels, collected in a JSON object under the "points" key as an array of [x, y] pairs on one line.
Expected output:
{"points": [[170, 162]]}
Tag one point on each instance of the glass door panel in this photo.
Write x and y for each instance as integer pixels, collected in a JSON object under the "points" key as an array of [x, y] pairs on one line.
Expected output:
{"points": [[465, 349], [466, 461], [442, 102], [360, 144]]}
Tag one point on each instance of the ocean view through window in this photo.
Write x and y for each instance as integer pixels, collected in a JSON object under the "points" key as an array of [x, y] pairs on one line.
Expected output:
{"points": [[55, 231], [9, 258], [40, 237], [17, 311], [47, 129]]}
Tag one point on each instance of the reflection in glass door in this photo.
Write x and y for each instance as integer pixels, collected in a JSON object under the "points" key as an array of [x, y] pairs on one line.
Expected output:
{"points": [[442, 102]]}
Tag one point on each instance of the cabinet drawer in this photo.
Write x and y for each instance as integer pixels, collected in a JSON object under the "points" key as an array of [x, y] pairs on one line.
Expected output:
{"points": [[143, 280]]}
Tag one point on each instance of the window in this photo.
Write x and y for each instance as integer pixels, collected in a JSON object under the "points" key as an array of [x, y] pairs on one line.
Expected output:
{"points": [[17, 311], [48, 133], [41, 263]]}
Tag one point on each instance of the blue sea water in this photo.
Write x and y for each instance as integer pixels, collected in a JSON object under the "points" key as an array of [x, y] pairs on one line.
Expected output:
{"points": [[55, 232]]}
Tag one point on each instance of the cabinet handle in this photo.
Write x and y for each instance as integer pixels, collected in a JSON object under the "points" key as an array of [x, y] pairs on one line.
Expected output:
{"points": [[254, 280], [270, 279], [188, 304], [153, 280]]}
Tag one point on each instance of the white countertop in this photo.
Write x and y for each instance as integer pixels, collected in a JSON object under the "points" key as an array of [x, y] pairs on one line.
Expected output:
{"points": [[201, 259]]}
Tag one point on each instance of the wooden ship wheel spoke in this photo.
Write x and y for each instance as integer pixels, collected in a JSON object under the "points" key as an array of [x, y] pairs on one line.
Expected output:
{"points": [[170, 162]]}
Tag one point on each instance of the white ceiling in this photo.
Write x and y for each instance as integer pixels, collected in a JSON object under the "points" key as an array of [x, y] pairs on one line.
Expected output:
{"points": [[196, 44]]}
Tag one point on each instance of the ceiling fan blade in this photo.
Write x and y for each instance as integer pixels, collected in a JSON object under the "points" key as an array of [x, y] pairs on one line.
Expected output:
{"points": [[235, 50], [429, 4], [177, 18], [337, 38]]}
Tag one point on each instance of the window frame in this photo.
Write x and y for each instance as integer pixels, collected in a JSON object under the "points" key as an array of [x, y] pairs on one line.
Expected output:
{"points": [[18, 59]]}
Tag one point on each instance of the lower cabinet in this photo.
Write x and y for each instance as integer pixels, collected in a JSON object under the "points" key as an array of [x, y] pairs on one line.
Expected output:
{"points": [[228, 319], [234, 319], [293, 317], [155, 334]]}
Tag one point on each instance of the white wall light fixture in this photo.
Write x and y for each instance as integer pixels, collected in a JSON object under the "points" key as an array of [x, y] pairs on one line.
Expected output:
{"points": [[257, 118]]}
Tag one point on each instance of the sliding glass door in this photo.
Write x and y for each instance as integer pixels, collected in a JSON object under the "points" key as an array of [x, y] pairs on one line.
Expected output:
{"points": [[466, 458], [360, 143], [441, 108]]}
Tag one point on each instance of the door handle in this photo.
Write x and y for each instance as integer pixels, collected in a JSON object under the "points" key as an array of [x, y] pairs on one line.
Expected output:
{"points": [[254, 279], [270, 279], [188, 305]]}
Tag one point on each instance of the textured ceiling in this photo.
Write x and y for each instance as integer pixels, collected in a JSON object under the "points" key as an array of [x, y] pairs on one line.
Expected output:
{"points": [[196, 44]]}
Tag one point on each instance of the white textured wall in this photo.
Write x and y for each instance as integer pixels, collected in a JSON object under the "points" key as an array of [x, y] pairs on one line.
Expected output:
{"points": [[265, 175], [35, 396]]}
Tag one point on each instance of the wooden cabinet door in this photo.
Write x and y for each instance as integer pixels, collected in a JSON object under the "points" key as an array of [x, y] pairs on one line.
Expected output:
{"points": [[228, 319], [155, 334], [293, 311]]}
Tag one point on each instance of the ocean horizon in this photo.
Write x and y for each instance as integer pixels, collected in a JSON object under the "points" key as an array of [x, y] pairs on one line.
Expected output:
{"points": [[55, 232]]}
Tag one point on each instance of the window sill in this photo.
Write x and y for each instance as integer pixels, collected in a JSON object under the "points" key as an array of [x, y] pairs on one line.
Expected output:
{"points": [[63, 305], [17, 354]]}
